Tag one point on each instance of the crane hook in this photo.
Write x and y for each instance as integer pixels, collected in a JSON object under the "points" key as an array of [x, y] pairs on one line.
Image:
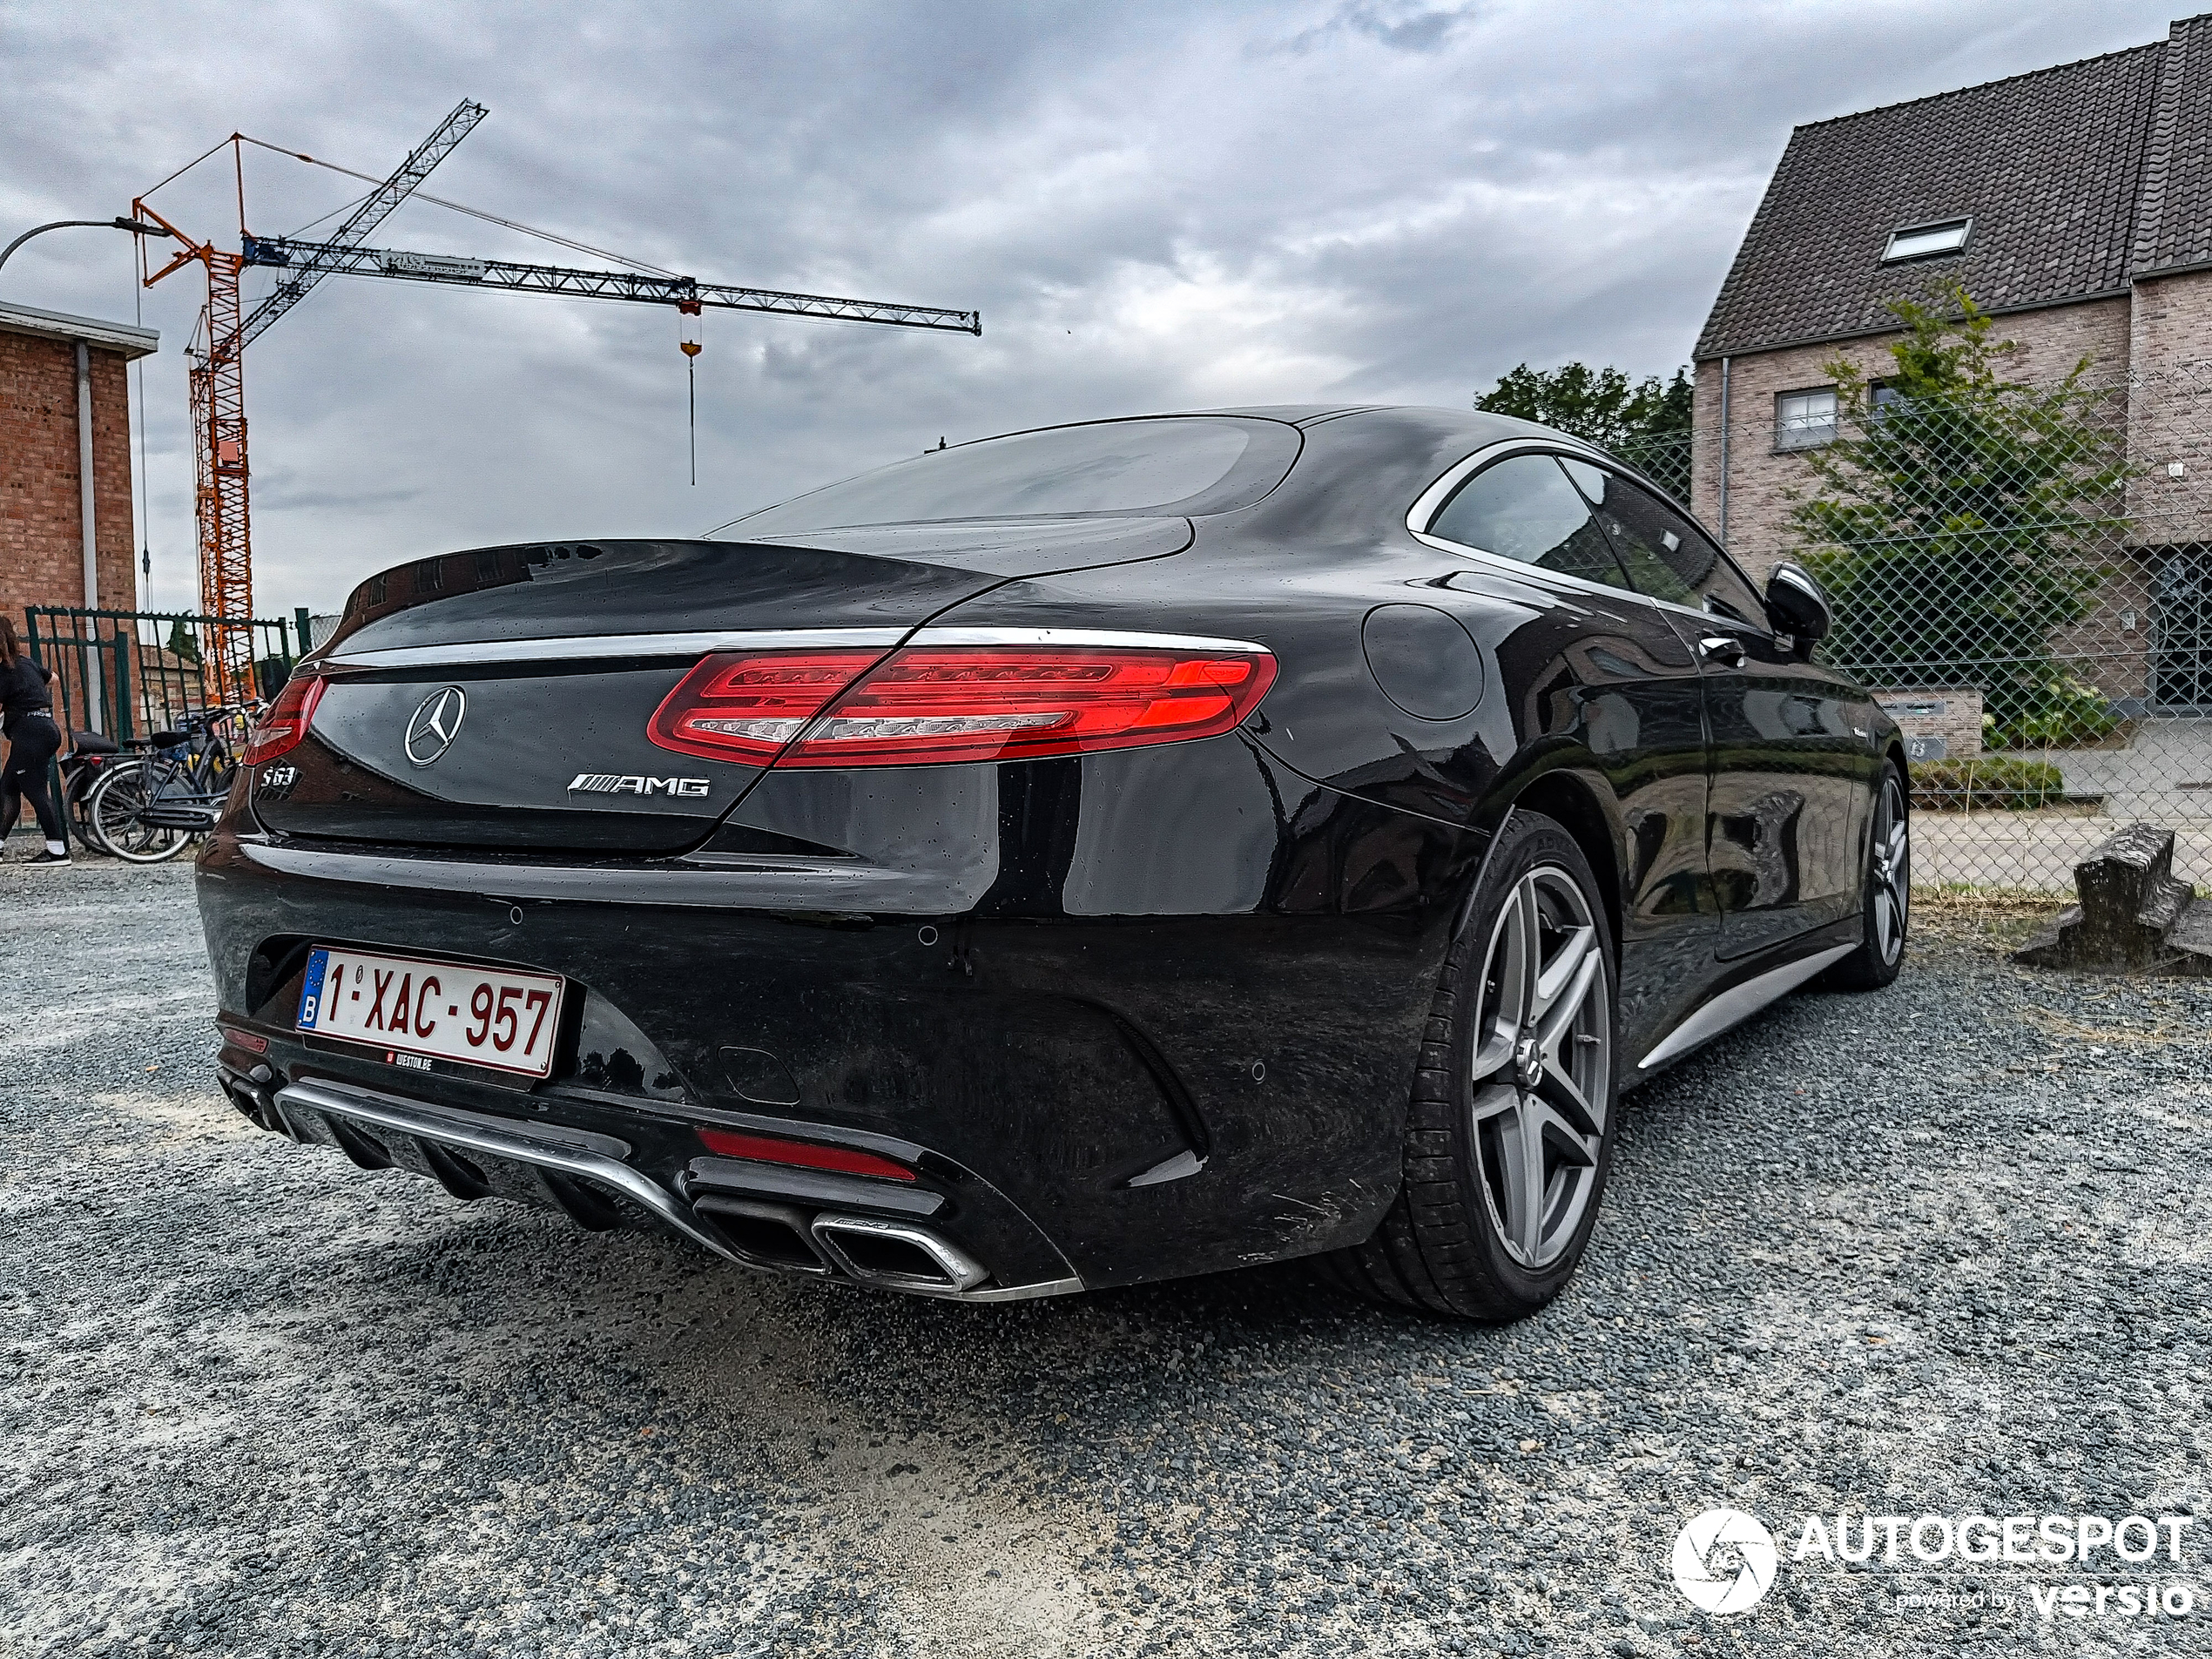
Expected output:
{"points": [[688, 340]]}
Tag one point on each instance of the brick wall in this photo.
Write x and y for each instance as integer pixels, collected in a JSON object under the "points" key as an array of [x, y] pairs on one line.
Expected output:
{"points": [[2169, 415], [1760, 478], [41, 545]]}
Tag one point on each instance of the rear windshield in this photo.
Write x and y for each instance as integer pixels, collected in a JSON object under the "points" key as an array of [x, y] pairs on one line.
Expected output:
{"points": [[1179, 464]]}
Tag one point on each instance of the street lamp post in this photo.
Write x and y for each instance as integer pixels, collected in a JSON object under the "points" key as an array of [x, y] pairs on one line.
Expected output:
{"points": [[137, 227]]}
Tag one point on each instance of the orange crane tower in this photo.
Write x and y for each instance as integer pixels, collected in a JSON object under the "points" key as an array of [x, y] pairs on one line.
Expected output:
{"points": [[221, 498]]}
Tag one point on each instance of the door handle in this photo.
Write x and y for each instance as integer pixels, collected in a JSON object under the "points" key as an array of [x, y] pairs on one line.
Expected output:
{"points": [[1722, 648]]}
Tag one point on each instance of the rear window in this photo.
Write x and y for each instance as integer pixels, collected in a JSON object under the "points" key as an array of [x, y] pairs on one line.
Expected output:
{"points": [[1177, 464]]}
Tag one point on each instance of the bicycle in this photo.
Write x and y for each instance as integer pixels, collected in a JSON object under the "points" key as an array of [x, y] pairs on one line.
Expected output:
{"points": [[91, 757], [150, 810]]}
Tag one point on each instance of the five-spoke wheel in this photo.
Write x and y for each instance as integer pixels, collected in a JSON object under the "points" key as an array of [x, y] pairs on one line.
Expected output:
{"points": [[1509, 1133], [1888, 902], [1539, 1078]]}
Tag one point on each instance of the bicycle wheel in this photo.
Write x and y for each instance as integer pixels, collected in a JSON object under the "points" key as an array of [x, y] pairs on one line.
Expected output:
{"points": [[118, 808], [79, 801]]}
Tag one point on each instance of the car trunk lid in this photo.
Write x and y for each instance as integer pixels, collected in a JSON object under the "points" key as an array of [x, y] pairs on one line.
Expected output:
{"points": [[500, 698]]}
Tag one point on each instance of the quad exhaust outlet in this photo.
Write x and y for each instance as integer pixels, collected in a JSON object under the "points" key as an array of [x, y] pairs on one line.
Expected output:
{"points": [[585, 1175], [896, 1255]]}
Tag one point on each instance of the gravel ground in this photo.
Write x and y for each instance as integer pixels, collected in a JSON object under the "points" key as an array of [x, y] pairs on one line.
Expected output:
{"points": [[1940, 1249]]}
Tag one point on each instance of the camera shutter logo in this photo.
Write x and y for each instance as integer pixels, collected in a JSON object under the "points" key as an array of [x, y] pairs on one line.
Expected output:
{"points": [[436, 722], [1723, 1561]]}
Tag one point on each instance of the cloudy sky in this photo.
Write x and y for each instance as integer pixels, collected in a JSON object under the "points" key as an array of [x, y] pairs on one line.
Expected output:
{"points": [[1153, 206]]}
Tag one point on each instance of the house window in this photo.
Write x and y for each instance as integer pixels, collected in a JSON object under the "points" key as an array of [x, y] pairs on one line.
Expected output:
{"points": [[1804, 420], [1919, 241]]}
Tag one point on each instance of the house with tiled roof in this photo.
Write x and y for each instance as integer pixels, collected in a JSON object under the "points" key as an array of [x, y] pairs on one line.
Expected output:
{"points": [[2074, 202]]}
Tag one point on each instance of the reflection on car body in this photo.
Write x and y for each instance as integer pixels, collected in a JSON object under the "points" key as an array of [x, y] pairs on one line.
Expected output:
{"points": [[1087, 856]]}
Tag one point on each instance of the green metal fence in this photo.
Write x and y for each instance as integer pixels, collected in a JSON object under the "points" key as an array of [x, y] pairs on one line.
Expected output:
{"points": [[130, 673], [1662, 458]]}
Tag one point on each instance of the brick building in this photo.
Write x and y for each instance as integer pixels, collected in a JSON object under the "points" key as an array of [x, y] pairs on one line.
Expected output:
{"points": [[64, 393], [2076, 204]]}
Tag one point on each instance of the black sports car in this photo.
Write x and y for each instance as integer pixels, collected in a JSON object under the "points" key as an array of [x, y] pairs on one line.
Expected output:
{"points": [[1084, 856]]}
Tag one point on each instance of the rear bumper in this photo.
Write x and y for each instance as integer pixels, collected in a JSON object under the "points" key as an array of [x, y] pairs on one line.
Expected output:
{"points": [[473, 1154], [1086, 1101]]}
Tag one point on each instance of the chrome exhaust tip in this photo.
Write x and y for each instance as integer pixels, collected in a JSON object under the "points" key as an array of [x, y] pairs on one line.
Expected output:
{"points": [[773, 1237], [895, 1255], [255, 1103]]}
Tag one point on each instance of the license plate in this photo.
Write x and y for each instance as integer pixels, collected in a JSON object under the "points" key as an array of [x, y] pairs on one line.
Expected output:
{"points": [[416, 1009]]}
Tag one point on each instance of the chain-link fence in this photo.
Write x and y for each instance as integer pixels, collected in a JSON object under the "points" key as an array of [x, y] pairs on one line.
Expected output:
{"points": [[1662, 458], [2023, 576]]}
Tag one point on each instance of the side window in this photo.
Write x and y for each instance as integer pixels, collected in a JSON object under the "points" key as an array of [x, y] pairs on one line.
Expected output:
{"points": [[1524, 508], [1804, 420], [1665, 554]]}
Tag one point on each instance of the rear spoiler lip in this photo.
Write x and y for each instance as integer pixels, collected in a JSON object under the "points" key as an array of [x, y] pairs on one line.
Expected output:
{"points": [[599, 647]]}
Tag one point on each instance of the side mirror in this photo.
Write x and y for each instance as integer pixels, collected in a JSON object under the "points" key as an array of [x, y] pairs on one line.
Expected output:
{"points": [[1796, 606]]}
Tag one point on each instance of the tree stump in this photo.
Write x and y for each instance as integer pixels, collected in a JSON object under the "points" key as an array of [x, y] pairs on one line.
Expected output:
{"points": [[2134, 913]]}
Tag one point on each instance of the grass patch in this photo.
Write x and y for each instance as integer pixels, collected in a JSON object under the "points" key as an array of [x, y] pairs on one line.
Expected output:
{"points": [[1993, 782]]}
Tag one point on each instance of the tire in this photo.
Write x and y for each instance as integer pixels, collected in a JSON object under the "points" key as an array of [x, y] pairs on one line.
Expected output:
{"points": [[80, 811], [1887, 905], [1513, 1061], [114, 807]]}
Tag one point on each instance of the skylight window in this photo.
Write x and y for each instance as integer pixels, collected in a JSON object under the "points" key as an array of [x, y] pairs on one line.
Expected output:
{"points": [[1917, 242]]}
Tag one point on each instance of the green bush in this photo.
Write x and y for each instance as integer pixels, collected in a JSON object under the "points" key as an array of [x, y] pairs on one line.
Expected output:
{"points": [[1950, 786], [2061, 711]]}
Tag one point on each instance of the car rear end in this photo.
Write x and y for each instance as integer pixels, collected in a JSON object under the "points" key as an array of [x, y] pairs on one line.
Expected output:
{"points": [[903, 905], [799, 917]]}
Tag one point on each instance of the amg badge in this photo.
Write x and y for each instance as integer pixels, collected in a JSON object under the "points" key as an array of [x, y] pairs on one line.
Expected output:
{"points": [[607, 783]]}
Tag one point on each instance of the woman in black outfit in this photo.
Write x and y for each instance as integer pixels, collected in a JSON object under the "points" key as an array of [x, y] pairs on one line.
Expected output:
{"points": [[27, 721]]}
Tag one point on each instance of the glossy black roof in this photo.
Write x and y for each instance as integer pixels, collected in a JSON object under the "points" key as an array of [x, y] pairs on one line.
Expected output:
{"points": [[2079, 179]]}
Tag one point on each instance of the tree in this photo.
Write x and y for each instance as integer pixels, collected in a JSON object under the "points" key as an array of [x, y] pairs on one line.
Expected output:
{"points": [[1600, 405], [1645, 422], [181, 643], [1956, 517]]}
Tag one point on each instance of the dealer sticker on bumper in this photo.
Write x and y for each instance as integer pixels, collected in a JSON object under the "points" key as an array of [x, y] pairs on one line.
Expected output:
{"points": [[415, 1008]]}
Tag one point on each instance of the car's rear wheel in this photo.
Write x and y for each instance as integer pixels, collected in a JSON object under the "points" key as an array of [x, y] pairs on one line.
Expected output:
{"points": [[1510, 1135], [1888, 902]]}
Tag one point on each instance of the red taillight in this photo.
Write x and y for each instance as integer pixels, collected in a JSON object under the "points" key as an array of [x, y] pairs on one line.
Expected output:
{"points": [[767, 1149], [747, 707], [280, 730], [929, 705]]}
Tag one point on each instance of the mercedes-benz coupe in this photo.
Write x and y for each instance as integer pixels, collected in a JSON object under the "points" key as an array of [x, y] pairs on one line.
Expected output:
{"points": [[1080, 857]]}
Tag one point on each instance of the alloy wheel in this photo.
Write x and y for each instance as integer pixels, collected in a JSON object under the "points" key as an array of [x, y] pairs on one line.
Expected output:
{"points": [[1892, 872], [1542, 1075]]}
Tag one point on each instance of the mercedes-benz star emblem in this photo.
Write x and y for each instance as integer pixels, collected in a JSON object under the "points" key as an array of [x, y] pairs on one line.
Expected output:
{"points": [[430, 733]]}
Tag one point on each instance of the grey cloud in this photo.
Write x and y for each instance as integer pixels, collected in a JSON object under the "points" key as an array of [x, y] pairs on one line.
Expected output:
{"points": [[1424, 31], [1401, 28], [1155, 205]]}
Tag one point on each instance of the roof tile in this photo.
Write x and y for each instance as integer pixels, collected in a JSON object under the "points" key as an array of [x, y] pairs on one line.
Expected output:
{"points": [[2173, 218], [2048, 165]]}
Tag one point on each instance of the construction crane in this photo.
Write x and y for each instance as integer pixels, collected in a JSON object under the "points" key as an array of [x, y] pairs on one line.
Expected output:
{"points": [[218, 385], [221, 501], [323, 256]]}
